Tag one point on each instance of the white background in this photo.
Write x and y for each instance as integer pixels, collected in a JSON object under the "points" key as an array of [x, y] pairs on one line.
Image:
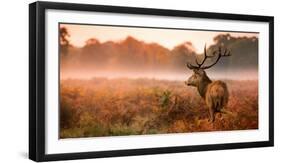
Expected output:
{"points": [[14, 80]]}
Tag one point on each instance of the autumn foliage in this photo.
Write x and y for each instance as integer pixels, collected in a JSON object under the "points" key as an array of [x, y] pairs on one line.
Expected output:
{"points": [[114, 107]]}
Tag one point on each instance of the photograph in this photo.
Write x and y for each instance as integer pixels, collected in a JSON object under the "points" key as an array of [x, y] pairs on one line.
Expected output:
{"points": [[111, 81], [134, 80]]}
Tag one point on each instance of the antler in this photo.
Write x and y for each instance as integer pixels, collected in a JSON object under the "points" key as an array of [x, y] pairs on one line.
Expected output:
{"points": [[200, 65], [226, 53]]}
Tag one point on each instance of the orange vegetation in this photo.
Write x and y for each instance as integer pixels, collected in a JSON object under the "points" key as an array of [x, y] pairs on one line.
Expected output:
{"points": [[113, 107]]}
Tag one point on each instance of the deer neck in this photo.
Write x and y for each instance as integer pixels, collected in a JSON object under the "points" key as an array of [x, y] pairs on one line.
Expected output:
{"points": [[202, 87]]}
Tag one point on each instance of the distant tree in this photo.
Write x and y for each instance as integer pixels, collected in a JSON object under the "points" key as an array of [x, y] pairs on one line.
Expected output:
{"points": [[64, 42], [244, 51], [181, 54], [91, 42]]}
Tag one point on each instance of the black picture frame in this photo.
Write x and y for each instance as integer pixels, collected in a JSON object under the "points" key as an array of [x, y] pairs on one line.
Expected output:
{"points": [[37, 88]]}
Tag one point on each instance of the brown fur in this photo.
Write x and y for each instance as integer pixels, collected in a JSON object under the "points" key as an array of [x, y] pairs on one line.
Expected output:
{"points": [[215, 93], [216, 97]]}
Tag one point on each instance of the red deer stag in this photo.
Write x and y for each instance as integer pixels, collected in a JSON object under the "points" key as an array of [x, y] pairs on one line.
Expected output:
{"points": [[215, 93]]}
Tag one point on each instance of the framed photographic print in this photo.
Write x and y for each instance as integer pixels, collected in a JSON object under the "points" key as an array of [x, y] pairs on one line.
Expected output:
{"points": [[118, 81]]}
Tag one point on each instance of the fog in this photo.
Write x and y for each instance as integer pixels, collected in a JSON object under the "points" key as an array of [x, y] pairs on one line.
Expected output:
{"points": [[132, 58], [227, 75]]}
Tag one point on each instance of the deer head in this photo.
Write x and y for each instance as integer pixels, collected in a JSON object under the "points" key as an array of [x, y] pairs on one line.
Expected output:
{"points": [[199, 75]]}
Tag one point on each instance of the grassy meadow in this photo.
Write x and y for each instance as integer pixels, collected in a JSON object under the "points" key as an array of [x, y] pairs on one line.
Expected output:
{"points": [[114, 107]]}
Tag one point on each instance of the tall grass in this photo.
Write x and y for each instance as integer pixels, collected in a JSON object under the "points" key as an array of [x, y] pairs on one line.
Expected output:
{"points": [[114, 107]]}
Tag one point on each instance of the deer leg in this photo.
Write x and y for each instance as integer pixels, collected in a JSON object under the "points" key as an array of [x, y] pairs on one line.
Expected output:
{"points": [[212, 114]]}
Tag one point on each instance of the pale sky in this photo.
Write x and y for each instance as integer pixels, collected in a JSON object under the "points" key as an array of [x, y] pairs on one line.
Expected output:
{"points": [[168, 38]]}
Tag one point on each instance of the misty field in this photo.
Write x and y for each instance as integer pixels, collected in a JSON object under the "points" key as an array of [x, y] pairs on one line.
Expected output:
{"points": [[114, 107]]}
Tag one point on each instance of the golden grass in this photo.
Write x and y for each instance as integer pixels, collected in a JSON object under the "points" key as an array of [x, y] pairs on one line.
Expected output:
{"points": [[113, 107]]}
